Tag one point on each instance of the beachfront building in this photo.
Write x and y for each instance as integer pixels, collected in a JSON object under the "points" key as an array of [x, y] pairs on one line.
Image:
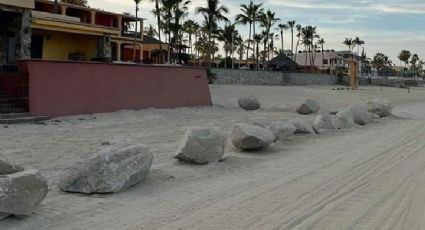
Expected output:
{"points": [[41, 30], [329, 61]]}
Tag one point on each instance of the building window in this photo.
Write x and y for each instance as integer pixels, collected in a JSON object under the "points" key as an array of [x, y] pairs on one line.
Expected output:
{"points": [[325, 61]]}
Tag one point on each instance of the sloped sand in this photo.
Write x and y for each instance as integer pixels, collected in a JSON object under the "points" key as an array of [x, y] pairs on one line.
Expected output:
{"points": [[369, 177]]}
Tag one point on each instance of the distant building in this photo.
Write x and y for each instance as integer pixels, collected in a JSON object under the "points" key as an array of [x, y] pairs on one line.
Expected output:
{"points": [[36, 29], [328, 61]]}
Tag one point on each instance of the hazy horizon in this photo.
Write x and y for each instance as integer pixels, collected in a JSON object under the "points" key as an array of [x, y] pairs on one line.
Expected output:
{"points": [[386, 26]]}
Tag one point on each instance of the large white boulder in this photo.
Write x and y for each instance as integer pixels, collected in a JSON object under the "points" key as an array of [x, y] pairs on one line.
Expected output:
{"points": [[201, 146], [323, 122], [249, 103], [381, 107], [282, 130], [112, 170], [302, 126], [360, 114], [21, 192], [251, 137], [344, 119], [308, 107]]}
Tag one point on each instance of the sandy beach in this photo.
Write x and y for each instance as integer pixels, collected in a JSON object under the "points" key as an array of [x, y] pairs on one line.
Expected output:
{"points": [[370, 177]]}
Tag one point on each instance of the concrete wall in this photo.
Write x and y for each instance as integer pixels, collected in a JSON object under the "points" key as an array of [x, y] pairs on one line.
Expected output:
{"points": [[246, 77], [71, 88]]}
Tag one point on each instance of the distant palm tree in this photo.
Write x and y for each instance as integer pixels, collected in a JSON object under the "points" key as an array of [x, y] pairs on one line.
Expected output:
{"points": [[135, 33], [150, 31], [227, 36], [291, 25], [246, 18], [299, 33], [191, 28], [404, 56], [349, 42], [267, 20], [321, 43], [258, 38], [157, 12], [213, 13], [282, 28], [308, 35], [357, 42]]}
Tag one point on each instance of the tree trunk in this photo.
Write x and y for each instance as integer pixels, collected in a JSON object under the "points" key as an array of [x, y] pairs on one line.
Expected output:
{"points": [[158, 17], [249, 43], [292, 41], [281, 38], [209, 46]]}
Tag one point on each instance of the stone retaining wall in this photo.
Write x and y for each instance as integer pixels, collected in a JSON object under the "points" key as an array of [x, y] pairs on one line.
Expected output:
{"points": [[247, 77]]}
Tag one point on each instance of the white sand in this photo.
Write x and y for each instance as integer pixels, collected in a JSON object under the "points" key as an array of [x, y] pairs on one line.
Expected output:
{"points": [[369, 177]]}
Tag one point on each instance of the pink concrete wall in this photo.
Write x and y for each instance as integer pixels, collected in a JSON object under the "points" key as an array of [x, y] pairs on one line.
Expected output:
{"points": [[71, 88]]}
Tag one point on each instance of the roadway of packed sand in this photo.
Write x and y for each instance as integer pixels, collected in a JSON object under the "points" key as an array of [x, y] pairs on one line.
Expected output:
{"points": [[370, 177]]}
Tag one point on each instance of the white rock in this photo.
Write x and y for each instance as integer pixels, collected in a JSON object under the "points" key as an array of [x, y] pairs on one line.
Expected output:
{"points": [[21, 192], [309, 106], [251, 137], [360, 114], [344, 119], [114, 169], [201, 146], [249, 103], [381, 107], [302, 126], [282, 130], [323, 122]]}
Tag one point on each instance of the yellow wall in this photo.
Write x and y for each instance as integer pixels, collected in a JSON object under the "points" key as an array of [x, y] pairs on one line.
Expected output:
{"points": [[19, 3], [57, 46]]}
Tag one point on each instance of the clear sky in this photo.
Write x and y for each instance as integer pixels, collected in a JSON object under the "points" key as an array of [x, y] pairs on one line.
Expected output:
{"points": [[385, 25]]}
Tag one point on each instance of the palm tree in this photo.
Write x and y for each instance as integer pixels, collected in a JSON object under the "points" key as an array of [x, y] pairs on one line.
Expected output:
{"points": [[257, 38], [135, 33], [180, 10], [404, 56], [227, 36], [267, 21], [282, 28], [240, 48], [150, 31], [299, 33], [257, 12], [321, 43], [291, 25], [348, 42], [191, 28], [167, 15], [157, 13], [245, 18], [213, 13], [357, 42], [308, 35]]}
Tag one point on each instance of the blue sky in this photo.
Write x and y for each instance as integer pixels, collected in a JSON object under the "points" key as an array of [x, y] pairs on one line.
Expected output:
{"points": [[386, 25]]}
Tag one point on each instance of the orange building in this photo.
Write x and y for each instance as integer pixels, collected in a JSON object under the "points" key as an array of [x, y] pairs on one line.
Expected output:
{"points": [[71, 32]]}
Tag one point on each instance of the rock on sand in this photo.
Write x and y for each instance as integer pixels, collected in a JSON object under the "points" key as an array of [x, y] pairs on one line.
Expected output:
{"points": [[201, 146], [308, 107], [114, 169], [251, 137], [282, 130], [249, 103], [381, 107], [21, 192], [323, 122]]}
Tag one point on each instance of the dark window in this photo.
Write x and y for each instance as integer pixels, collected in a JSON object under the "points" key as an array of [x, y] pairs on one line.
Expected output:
{"points": [[325, 61]]}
